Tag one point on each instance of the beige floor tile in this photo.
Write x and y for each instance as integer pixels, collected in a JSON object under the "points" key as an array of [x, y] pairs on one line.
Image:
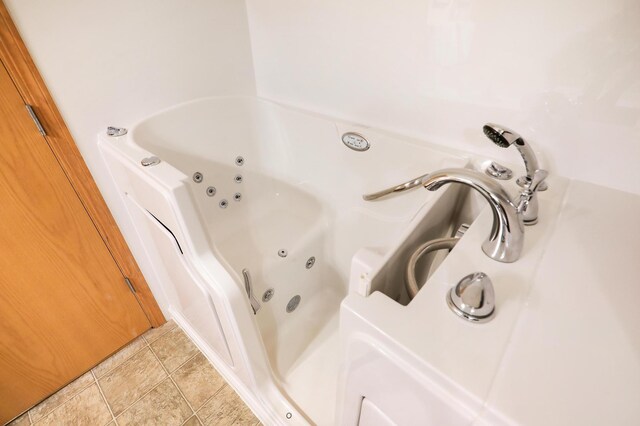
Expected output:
{"points": [[193, 421], [135, 377], [173, 349], [155, 333], [86, 408], [23, 420], [226, 408], [119, 357], [198, 380], [246, 417], [60, 397], [162, 406]]}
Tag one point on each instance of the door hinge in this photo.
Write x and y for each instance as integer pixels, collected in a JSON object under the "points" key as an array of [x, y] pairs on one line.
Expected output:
{"points": [[129, 284], [35, 119]]}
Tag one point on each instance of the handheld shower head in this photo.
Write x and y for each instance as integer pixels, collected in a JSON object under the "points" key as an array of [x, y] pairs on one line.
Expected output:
{"points": [[500, 135], [505, 137]]}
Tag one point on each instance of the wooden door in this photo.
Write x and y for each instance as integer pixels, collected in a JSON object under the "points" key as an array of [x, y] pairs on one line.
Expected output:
{"points": [[64, 304]]}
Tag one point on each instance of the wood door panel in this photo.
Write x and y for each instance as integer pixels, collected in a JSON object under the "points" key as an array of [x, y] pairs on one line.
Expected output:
{"points": [[31, 87], [64, 305]]}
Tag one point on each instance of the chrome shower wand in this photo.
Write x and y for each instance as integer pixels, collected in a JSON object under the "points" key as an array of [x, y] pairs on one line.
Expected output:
{"points": [[504, 138]]}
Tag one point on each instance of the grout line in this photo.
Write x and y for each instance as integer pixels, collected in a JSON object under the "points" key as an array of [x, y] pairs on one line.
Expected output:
{"points": [[184, 363], [160, 362], [96, 381], [141, 396], [193, 412], [148, 345], [173, 381], [160, 335], [188, 418], [181, 365], [105, 374], [210, 398], [182, 395], [150, 390], [73, 396], [112, 371], [104, 398], [198, 417]]}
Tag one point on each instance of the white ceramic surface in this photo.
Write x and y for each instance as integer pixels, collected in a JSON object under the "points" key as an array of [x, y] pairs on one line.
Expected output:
{"points": [[539, 361], [451, 361], [574, 357], [301, 192], [564, 74]]}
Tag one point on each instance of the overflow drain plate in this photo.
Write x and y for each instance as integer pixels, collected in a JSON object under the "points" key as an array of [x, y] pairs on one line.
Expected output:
{"points": [[355, 141]]}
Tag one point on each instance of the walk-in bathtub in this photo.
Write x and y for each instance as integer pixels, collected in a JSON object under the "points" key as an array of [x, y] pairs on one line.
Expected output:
{"points": [[248, 189]]}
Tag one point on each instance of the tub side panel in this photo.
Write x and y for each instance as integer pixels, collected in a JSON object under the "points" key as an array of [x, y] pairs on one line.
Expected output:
{"points": [[186, 296], [156, 223]]}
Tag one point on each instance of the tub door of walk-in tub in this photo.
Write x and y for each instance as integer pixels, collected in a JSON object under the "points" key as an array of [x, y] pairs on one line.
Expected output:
{"points": [[194, 287], [184, 296]]}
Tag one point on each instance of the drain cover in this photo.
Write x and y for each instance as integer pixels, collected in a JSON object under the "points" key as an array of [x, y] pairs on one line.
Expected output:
{"points": [[293, 303]]}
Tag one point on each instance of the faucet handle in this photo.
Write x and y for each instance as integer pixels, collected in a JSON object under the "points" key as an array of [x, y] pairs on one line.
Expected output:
{"points": [[535, 183], [473, 298], [530, 188], [538, 179]]}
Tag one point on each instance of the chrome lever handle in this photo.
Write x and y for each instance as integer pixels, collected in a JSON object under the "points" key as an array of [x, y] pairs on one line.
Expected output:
{"points": [[530, 189], [538, 178]]}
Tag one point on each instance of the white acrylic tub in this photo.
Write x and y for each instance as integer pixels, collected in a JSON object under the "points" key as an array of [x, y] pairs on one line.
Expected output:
{"points": [[301, 191]]}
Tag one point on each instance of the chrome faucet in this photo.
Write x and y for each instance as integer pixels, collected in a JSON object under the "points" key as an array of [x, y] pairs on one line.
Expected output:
{"points": [[410, 184], [506, 239], [505, 137]]}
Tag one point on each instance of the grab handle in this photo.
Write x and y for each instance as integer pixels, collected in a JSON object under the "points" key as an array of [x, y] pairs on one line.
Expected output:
{"points": [[255, 305]]}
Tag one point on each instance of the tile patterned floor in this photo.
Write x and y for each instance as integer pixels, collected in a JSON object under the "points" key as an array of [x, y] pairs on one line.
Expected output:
{"points": [[158, 379]]}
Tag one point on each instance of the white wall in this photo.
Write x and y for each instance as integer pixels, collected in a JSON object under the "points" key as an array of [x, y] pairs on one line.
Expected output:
{"points": [[115, 62], [565, 74]]}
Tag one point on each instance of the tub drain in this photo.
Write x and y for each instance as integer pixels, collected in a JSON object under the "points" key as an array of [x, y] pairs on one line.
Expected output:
{"points": [[293, 303], [310, 262]]}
